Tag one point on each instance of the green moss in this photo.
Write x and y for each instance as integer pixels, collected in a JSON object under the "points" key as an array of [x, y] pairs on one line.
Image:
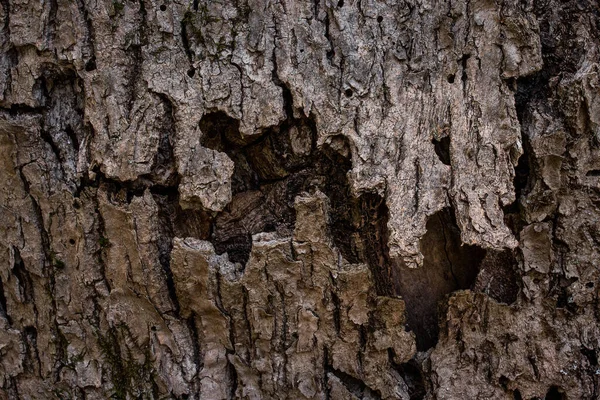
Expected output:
{"points": [[104, 242], [128, 377], [56, 262], [118, 6]]}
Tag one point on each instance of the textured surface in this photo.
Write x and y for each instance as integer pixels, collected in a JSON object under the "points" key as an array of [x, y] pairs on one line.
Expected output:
{"points": [[327, 199]]}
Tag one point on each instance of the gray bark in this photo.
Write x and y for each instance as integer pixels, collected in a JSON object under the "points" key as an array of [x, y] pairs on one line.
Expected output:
{"points": [[326, 200]]}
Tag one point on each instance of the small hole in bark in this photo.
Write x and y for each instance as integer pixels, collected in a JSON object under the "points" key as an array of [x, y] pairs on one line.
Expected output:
{"points": [[412, 376], [503, 382], [590, 355], [589, 285], [451, 78], [555, 393], [3, 306], [559, 289], [379, 19], [448, 265], [512, 84], [340, 3], [72, 241], [517, 395], [442, 149], [593, 172], [153, 328], [191, 72], [348, 92], [91, 64], [163, 7], [24, 280], [301, 50], [463, 63], [76, 205], [73, 136], [237, 247], [522, 172]]}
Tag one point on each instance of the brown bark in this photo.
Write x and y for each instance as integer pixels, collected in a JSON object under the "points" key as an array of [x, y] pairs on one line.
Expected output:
{"points": [[329, 199]]}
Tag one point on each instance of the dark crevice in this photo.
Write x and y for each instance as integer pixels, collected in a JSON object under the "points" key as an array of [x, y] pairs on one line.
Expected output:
{"points": [[90, 65], [89, 51], [522, 173], [555, 393], [498, 276], [560, 291], [528, 88], [101, 245], [326, 363], [233, 378], [51, 22], [197, 354], [591, 356], [165, 246], [411, 375], [354, 385], [442, 149], [124, 191], [517, 395], [73, 136], [330, 54], [274, 168], [3, 305], [336, 313], [164, 170], [23, 277], [271, 170], [23, 109], [136, 59], [32, 362], [448, 266], [185, 39], [464, 77], [374, 244]]}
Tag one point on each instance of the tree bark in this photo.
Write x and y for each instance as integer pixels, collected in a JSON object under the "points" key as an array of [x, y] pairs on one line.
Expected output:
{"points": [[299, 199]]}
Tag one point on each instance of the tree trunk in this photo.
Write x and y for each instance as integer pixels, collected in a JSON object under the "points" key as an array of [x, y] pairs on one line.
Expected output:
{"points": [[290, 199]]}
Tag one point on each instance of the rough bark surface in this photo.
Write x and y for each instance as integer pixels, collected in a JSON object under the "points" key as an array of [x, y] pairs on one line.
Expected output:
{"points": [[299, 199]]}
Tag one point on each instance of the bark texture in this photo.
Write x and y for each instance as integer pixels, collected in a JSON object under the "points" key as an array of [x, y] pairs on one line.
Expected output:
{"points": [[299, 199]]}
